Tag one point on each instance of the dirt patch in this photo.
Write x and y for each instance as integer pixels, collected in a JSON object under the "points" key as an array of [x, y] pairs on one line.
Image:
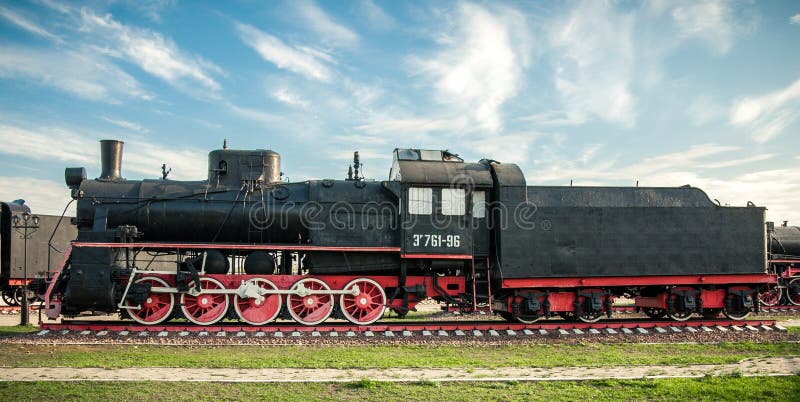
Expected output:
{"points": [[780, 366]]}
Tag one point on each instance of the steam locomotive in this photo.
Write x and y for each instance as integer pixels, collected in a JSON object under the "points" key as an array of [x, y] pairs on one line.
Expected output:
{"points": [[244, 243]]}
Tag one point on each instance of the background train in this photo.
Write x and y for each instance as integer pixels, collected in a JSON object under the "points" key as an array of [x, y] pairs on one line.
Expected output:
{"points": [[243, 243], [784, 263], [46, 245]]}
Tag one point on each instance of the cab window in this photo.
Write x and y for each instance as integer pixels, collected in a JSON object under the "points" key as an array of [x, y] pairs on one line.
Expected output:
{"points": [[420, 200], [453, 201]]}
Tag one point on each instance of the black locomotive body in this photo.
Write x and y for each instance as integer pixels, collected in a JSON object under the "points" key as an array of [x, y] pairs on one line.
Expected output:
{"points": [[472, 234]]}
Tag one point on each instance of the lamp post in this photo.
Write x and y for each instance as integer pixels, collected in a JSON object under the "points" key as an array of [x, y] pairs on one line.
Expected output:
{"points": [[25, 224]]}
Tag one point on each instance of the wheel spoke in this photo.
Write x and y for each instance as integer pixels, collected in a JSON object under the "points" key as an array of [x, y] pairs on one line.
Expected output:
{"points": [[204, 308], [311, 309], [365, 307], [157, 307]]}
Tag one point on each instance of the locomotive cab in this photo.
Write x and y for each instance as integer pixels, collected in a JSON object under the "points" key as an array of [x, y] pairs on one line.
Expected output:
{"points": [[443, 210]]}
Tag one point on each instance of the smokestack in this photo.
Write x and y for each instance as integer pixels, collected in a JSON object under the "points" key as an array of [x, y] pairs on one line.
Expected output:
{"points": [[110, 160]]}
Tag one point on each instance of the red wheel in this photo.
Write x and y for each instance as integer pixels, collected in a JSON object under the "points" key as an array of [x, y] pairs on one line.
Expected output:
{"points": [[157, 307], [771, 297], [307, 306], [258, 312], [365, 307], [793, 292], [205, 308]]}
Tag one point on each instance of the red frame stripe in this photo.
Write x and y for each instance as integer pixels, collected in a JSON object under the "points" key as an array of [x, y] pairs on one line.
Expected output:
{"points": [[614, 281]]}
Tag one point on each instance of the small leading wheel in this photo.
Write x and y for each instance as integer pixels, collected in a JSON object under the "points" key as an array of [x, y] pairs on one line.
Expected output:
{"points": [[157, 307], [771, 297], [205, 308], [258, 312], [308, 307], [793, 291], [9, 297], [654, 312], [367, 306]]}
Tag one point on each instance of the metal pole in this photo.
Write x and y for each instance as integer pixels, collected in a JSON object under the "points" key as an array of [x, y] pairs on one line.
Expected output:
{"points": [[24, 313]]}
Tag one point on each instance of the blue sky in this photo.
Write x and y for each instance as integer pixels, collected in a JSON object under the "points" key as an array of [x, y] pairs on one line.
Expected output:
{"points": [[602, 93]]}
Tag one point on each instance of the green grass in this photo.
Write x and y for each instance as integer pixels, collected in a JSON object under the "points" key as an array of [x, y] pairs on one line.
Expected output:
{"points": [[710, 388], [17, 329], [344, 357]]}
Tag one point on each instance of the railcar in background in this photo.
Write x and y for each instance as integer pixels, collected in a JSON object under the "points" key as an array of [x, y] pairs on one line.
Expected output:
{"points": [[46, 245]]}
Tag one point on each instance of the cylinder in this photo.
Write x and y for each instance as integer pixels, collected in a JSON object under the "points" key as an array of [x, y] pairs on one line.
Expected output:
{"points": [[110, 160]]}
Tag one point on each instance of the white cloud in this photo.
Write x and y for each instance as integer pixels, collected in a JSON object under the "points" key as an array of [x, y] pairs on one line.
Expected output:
{"points": [[290, 98], [553, 118], [83, 75], [707, 20], [769, 114], [301, 60], [126, 125], [38, 144], [704, 110], [410, 126], [594, 63], [795, 19], [45, 197], [152, 9], [513, 148], [736, 162], [28, 25], [329, 31], [153, 53], [139, 157], [481, 67], [255, 114], [378, 19]]}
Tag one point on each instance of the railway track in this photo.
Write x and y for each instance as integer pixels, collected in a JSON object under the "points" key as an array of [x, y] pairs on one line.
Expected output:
{"points": [[409, 329]]}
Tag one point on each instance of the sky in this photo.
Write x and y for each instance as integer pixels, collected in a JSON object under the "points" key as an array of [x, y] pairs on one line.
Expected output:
{"points": [[665, 93]]}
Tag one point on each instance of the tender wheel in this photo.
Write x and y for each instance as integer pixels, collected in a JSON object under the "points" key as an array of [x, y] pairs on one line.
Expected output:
{"points": [[771, 297], [255, 312], [736, 315], [506, 316], [310, 309], [654, 312], [681, 315], [528, 319], [567, 316], [9, 297], [367, 306], [157, 307], [594, 316], [18, 295], [205, 308], [793, 292]]}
